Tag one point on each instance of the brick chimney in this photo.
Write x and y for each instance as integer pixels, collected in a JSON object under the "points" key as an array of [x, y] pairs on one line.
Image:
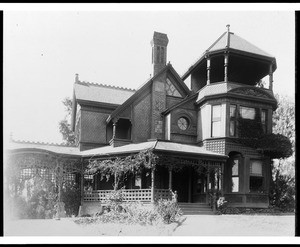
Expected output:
{"points": [[159, 51]]}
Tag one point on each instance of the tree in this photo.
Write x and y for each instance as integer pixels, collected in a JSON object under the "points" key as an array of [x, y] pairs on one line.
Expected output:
{"points": [[284, 123], [65, 125], [283, 171]]}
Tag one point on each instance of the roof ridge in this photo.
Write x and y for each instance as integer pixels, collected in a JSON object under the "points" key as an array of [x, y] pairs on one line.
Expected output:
{"points": [[106, 85], [43, 143]]}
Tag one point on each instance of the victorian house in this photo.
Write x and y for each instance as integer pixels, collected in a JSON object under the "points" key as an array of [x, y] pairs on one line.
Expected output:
{"points": [[195, 129]]}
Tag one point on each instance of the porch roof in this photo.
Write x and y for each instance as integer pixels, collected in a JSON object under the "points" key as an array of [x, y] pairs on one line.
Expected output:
{"points": [[154, 145], [107, 151]]}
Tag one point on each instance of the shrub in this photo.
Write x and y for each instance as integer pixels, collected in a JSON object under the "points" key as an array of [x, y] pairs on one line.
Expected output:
{"points": [[282, 194], [221, 205], [70, 195], [168, 210]]}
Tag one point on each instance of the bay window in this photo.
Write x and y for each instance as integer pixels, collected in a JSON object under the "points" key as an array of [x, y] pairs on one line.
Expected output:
{"points": [[216, 121]]}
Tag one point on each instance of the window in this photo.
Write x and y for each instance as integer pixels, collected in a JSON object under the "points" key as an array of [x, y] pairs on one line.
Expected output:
{"points": [[235, 176], [183, 123], [171, 89], [167, 127], [264, 120], [247, 112], [232, 121], [256, 176], [216, 121]]}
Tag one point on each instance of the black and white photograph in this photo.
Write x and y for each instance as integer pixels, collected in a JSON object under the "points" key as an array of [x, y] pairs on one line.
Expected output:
{"points": [[149, 123]]}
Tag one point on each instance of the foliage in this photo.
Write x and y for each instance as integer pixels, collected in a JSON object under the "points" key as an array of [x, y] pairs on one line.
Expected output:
{"points": [[276, 146], [114, 200], [168, 210], [37, 200], [222, 205], [120, 167], [70, 195], [284, 123], [282, 195], [65, 126]]}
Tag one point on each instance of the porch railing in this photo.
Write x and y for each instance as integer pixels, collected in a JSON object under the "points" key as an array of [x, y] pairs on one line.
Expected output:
{"points": [[143, 195]]}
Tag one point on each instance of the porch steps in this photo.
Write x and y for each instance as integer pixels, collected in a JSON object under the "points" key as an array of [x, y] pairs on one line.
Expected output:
{"points": [[195, 208]]}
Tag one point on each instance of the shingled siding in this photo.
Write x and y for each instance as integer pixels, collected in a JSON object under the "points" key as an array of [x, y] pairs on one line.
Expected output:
{"points": [[93, 127], [141, 130], [158, 105]]}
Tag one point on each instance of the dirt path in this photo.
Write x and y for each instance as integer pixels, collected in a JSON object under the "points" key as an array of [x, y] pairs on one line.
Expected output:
{"points": [[237, 225], [202, 225]]}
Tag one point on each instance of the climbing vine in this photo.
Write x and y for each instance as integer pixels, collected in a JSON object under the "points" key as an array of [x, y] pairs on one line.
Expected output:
{"points": [[120, 167]]}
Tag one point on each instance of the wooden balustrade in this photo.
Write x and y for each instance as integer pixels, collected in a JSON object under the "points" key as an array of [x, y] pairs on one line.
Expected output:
{"points": [[143, 195]]}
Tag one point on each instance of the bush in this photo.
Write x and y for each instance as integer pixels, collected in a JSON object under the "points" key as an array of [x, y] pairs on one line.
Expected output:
{"points": [[70, 195], [168, 210], [282, 194]]}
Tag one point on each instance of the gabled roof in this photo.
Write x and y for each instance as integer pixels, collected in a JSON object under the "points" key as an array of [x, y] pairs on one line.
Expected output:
{"points": [[234, 43], [100, 93], [185, 100], [141, 89]]}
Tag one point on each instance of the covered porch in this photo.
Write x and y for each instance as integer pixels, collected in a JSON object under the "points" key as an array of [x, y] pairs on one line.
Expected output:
{"points": [[181, 172]]}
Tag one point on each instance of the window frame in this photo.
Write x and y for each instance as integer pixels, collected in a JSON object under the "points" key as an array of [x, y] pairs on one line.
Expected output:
{"points": [[257, 175], [236, 175], [214, 120]]}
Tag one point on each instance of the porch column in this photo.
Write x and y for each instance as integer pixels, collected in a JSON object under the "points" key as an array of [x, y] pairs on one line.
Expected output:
{"points": [[82, 184], [190, 185], [152, 184], [271, 76], [226, 67], [208, 70], [115, 120], [222, 179], [170, 178], [207, 185]]}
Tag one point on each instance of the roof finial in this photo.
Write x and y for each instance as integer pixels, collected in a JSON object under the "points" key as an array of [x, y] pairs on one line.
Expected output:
{"points": [[228, 27]]}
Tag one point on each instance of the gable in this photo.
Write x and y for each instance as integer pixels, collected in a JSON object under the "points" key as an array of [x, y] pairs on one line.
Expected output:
{"points": [[171, 90]]}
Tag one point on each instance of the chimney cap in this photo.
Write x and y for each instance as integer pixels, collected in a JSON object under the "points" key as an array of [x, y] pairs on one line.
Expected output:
{"points": [[160, 39]]}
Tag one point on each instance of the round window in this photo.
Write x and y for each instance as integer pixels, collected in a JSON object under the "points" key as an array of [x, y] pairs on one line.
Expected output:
{"points": [[183, 123]]}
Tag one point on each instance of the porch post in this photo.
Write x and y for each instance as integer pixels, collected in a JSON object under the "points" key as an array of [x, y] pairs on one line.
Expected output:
{"points": [[207, 185], [152, 184], [271, 77], [190, 185], [222, 179], [226, 67], [82, 184], [170, 178], [208, 70], [115, 120]]}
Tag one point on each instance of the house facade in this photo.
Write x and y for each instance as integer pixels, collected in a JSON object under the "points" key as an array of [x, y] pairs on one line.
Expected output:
{"points": [[196, 130]]}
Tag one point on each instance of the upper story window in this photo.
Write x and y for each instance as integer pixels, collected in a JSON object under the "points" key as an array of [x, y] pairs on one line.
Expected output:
{"points": [[232, 121], [264, 120], [216, 121], [183, 123], [247, 112]]}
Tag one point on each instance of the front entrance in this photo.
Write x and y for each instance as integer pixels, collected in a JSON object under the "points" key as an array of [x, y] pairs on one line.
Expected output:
{"points": [[192, 186], [181, 184]]}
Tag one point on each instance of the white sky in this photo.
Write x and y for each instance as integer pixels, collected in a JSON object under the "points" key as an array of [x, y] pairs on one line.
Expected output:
{"points": [[43, 50]]}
